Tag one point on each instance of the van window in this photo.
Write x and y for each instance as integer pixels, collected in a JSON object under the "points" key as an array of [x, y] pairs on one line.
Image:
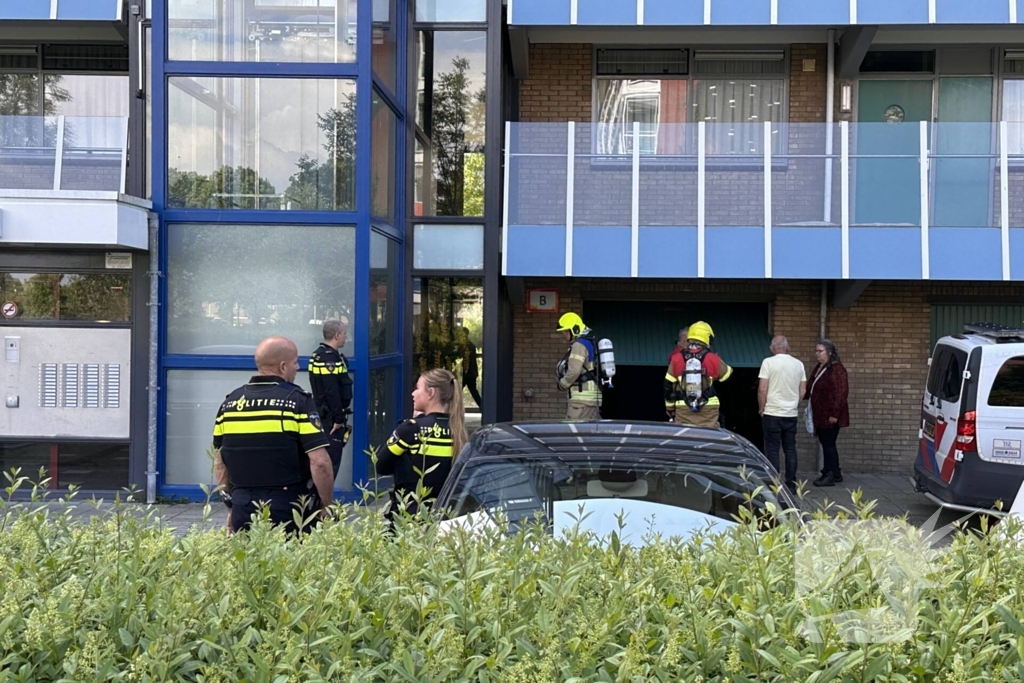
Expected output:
{"points": [[936, 369], [1008, 386], [953, 377]]}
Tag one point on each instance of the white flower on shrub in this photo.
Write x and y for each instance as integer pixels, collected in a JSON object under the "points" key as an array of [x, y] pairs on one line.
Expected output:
{"points": [[861, 581]]}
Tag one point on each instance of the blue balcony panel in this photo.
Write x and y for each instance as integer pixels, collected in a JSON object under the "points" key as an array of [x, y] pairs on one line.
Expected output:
{"points": [[741, 12], [972, 12], [807, 253], [893, 12], [1017, 254], [674, 12], [885, 253], [536, 250], [601, 251], [102, 10], [667, 252], [606, 12], [541, 12], [965, 253], [814, 12], [734, 252], [25, 9]]}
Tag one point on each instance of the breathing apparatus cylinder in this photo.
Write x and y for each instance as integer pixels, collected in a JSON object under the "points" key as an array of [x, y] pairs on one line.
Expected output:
{"points": [[606, 359], [693, 379]]}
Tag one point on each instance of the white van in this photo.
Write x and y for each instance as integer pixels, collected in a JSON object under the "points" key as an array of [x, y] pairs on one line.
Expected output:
{"points": [[972, 420]]}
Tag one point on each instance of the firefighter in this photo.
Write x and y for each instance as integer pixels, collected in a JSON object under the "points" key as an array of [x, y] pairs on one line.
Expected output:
{"points": [[577, 372], [689, 385], [268, 444], [331, 383]]}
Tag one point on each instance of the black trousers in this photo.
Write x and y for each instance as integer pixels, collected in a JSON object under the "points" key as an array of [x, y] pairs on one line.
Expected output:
{"points": [[335, 445], [828, 436], [282, 502], [781, 431]]}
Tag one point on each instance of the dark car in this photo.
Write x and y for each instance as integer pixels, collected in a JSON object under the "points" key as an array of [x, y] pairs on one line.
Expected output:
{"points": [[670, 480]]}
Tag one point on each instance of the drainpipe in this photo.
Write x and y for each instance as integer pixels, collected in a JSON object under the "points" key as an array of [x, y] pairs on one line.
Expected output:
{"points": [[153, 388], [830, 102], [824, 309]]}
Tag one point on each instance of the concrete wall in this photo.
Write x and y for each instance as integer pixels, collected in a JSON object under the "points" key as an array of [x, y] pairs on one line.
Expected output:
{"points": [[73, 217], [60, 346]]}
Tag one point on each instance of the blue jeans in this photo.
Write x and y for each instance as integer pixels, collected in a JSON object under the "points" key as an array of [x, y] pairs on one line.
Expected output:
{"points": [[781, 431]]}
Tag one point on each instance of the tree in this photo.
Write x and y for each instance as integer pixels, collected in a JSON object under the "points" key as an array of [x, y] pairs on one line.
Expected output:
{"points": [[20, 97], [330, 185], [227, 188], [457, 115]]}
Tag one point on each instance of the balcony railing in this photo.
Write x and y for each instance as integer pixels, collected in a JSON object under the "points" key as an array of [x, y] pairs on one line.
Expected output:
{"points": [[63, 153], [868, 200]]}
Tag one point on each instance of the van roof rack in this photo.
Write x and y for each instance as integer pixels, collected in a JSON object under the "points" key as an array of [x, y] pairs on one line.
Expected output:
{"points": [[999, 333]]}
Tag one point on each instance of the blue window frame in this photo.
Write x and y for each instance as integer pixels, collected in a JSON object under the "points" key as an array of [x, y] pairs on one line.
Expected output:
{"points": [[391, 362]]}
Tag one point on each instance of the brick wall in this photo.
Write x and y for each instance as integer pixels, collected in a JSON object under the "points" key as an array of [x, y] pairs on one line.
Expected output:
{"points": [[883, 340], [559, 86]]}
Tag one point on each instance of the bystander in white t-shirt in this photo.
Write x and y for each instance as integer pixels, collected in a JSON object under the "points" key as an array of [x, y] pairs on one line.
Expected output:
{"points": [[784, 374]]}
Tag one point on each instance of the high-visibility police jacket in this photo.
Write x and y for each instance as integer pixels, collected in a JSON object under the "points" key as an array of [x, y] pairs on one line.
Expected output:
{"points": [[264, 431], [331, 383], [420, 449], [580, 378], [714, 369]]}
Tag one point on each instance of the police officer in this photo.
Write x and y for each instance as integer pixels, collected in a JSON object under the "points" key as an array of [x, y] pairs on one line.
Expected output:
{"points": [[268, 442], [331, 383], [577, 372]]}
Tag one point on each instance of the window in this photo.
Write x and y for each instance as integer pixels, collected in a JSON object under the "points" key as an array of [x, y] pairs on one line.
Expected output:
{"points": [[384, 161], [451, 11], [229, 286], [89, 297], [947, 374], [384, 314], [448, 247], [261, 143], [1008, 386], [735, 93], [87, 465], [383, 407], [1013, 112], [450, 120], [262, 30], [384, 58]]}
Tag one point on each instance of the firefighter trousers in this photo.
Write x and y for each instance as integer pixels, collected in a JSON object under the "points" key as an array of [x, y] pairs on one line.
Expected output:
{"points": [[705, 417], [582, 412]]}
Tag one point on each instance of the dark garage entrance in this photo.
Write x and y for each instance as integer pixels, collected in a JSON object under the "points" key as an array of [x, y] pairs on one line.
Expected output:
{"points": [[644, 334]]}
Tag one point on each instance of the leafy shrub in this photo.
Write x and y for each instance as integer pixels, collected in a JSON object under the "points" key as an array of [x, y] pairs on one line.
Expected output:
{"points": [[120, 598]]}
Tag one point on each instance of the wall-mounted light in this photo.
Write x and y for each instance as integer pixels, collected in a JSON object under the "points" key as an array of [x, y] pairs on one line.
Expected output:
{"points": [[846, 98]]}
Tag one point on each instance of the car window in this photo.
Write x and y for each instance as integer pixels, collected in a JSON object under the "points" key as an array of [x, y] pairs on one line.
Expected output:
{"points": [[952, 377], [936, 369], [1008, 386]]}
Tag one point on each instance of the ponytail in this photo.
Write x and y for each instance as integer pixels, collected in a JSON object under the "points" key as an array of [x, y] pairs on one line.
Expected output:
{"points": [[449, 393]]}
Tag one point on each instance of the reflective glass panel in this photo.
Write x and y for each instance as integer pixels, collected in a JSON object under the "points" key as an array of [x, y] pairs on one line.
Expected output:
{"points": [[229, 286], [383, 407], [262, 30], [102, 466], [384, 59], [448, 328], [384, 314], [451, 10], [448, 247], [383, 163], [451, 114], [93, 297], [297, 136]]}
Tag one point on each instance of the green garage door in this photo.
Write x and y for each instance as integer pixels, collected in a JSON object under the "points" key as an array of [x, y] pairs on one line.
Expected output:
{"points": [[644, 333], [950, 318]]}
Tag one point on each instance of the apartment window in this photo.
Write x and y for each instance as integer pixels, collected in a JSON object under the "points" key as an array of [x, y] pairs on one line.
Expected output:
{"points": [[85, 297], [733, 92], [1013, 100]]}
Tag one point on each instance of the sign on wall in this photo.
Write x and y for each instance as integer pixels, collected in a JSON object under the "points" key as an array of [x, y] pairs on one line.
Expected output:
{"points": [[119, 260], [542, 300]]}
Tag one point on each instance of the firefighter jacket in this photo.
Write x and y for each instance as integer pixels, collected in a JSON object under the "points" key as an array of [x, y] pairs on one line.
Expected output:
{"points": [[331, 383], [714, 370], [264, 431], [580, 378], [420, 449]]}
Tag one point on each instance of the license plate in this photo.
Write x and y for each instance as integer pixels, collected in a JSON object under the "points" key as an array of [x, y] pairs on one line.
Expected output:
{"points": [[929, 430], [1006, 448]]}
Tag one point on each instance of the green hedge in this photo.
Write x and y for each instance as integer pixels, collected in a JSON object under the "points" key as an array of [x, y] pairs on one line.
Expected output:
{"points": [[121, 598]]}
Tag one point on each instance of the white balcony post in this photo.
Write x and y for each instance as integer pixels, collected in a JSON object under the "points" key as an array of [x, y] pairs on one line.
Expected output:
{"points": [[1013, 11], [707, 12], [701, 180], [1004, 196], [923, 163], [635, 239], [573, 11], [767, 198], [844, 193], [931, 11], [53, 9], [58, 162], [504, 210], [639, 12], [773, 17], [570, 191], [124, 154], [853, 11]]}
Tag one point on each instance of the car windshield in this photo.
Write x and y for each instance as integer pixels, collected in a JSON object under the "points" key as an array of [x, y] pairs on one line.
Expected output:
{"points": [[658, 496]]}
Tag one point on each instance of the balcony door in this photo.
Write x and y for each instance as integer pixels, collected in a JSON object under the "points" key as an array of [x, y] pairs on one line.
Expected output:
{"points": [[889, 189]]}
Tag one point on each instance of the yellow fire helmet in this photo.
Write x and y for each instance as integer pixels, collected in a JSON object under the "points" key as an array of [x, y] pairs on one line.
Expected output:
{"points": [[571, 322], [702, 332]]}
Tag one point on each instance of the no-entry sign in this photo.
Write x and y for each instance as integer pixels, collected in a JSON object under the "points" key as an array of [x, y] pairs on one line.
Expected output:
{"points": [[10, 309]]}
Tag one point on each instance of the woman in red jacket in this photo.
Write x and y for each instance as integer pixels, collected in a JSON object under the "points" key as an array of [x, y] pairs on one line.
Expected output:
{"points": [[828, 390]]}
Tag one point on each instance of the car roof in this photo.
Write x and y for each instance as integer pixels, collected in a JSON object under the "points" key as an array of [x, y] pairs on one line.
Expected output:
{"points": [[648, 440], [972, 341]]}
